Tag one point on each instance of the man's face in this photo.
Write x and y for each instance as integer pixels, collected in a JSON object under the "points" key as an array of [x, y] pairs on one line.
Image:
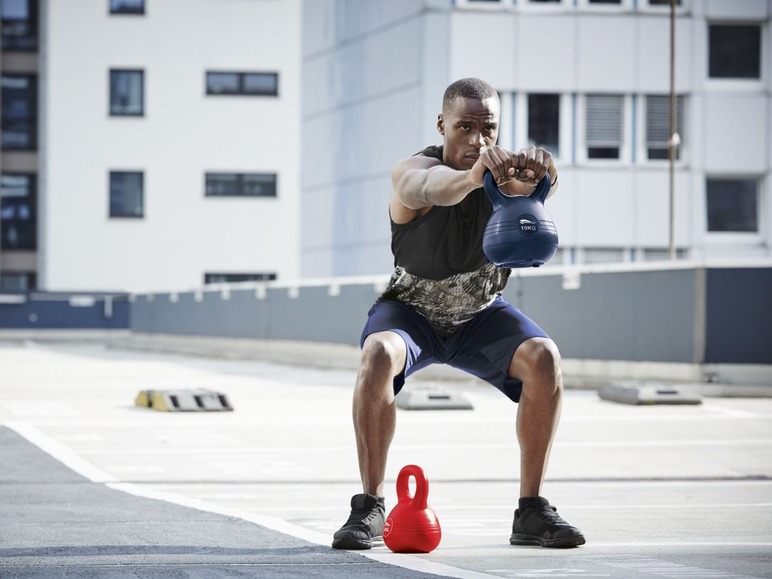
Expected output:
{"points": [[468, 125]]}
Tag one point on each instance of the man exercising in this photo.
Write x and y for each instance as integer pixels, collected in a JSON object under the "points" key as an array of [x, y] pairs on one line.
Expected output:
{"points": [[443, 305]]}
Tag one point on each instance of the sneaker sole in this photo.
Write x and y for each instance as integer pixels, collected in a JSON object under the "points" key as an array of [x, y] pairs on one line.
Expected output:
{"points": [[352, 544], [530, 540]]}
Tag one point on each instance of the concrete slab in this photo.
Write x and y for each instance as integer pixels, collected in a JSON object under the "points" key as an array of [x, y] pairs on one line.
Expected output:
{"points": [[660, 491]]}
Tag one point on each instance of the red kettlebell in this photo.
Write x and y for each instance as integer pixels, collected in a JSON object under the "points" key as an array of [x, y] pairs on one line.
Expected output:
{"points": [[520, 232], [412, 526]]}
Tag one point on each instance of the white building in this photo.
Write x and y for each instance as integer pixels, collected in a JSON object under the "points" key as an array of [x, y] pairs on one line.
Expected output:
{"points": [[587, 79], [155, 145], [164, 145]]}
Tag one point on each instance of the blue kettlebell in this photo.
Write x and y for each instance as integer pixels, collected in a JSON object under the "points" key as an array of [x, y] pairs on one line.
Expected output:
{"points": [[520, 232]]}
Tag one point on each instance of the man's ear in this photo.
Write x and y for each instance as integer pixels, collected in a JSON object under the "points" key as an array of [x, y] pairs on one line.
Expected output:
{"points": [[440, 124]]}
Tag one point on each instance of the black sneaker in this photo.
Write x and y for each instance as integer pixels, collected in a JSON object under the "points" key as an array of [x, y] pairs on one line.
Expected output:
{"points": [[365, 523], [539, 524]]}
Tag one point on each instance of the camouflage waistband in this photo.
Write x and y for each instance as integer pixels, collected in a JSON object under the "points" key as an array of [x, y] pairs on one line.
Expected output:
{"points": [[449, 303]]}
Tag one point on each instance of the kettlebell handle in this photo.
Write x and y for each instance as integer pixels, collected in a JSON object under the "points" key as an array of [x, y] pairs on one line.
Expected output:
{"points": [[494, 193], [421, 486]]}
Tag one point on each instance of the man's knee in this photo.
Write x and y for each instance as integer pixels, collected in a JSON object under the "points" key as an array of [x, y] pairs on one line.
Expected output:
{"points": [[538, 359], [383, 352]]}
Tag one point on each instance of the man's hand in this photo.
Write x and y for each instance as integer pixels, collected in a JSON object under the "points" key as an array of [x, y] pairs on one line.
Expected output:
{"points": [[520, 171]]}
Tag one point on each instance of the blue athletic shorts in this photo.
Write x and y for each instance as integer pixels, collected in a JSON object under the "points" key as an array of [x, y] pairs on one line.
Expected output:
{"points": [[483, 348]]}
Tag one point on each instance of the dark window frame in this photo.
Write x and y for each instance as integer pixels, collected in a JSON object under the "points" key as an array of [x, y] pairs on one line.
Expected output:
{"points": [[659, 150], [242, 189], [31, 223], [30, 124], [536, 115], [723, 66], [125, 215], [604, 141], [30, 281], [723, 213], [125, 11], [22, 35], [111, 106], [240, 79], [211, 278]]}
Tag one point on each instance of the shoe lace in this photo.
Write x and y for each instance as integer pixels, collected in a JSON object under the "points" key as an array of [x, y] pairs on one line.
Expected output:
{"points": [[549, 514], [361, 516]]}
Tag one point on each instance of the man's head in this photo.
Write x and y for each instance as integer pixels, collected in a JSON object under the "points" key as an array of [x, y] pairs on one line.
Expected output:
{"points": [[469, 121]]}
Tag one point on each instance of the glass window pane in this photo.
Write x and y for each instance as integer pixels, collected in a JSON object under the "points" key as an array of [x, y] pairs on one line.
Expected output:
{"points": [[222, 184], [261, 83], [242, 83], [18, 211], [19, 112], [603, 131], [259, 185], [18, 281], [127, 92], [658, 125], [734, 51], [222, 83], [241, 184], [210, 278], [126, 194], [544, 121], [15, 9], [19, 25], [127, 6], [732, 205]]}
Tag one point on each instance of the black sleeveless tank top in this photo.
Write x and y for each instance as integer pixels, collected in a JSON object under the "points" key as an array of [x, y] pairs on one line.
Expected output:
{"points": [[446, 240], [440, 267]]}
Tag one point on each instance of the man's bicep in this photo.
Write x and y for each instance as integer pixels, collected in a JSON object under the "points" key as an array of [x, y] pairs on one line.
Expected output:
{"points": [[408, 179]]}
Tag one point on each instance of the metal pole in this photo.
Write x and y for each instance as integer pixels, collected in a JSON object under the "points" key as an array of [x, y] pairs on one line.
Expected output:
{"points": [[672, 141]]}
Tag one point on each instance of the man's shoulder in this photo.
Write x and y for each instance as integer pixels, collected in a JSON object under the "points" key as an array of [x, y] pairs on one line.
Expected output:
{"points": [[434, 151]]}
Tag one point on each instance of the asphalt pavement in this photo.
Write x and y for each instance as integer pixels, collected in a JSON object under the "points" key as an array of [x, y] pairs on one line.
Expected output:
{"points": [[92, 485]]}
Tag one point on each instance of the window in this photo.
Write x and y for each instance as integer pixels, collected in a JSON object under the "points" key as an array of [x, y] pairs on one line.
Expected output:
{"points": [[127, 93], [18, 211], [210, 278], [127, 6], [544, 121], [604, 116], [663, 3], [240, 185], [126, 194], [19, 25], [658, 126], [15, 281], [242, 83], [732, 205], [734, 51], [19, 112]]}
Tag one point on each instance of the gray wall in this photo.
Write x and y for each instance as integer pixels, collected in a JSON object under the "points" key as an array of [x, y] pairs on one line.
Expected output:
{"points": [[692, 315]]}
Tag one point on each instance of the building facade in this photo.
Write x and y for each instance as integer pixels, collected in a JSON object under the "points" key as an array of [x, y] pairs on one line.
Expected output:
{"points": [[587, 79], [159, 145], [149, 144]]}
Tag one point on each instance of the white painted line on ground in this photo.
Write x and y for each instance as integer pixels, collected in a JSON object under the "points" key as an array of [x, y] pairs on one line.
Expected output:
{"points": [[400, 560], [227, 421], [84, 468], [678, 543], [199, 451], [61, 453]]}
